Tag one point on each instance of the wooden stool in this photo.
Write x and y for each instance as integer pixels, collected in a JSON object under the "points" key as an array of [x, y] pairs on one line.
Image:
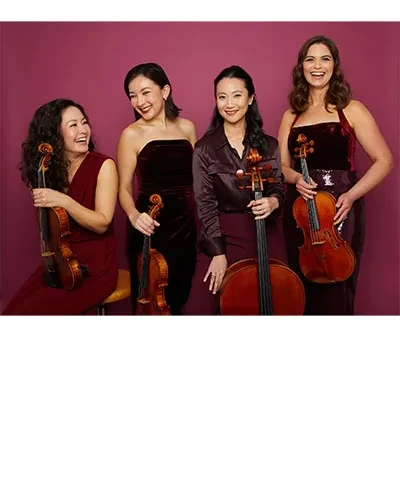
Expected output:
{"points": [[122, 291]]}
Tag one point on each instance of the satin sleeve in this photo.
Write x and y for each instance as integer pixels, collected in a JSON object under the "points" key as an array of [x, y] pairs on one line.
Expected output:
{"points": [[211, 240]]}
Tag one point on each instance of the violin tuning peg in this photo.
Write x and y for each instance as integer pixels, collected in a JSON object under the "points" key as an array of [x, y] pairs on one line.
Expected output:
{"points": [[240, 174], [311, 142], [311, 150]]}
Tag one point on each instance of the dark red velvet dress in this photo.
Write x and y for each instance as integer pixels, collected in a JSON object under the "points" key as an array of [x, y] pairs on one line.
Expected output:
{"points": [[164, 167], [97, 251], [331, 166]]}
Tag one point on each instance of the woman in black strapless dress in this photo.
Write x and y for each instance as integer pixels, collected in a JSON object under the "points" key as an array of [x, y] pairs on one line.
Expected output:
{"points": [[157, 148], [323, 111]]}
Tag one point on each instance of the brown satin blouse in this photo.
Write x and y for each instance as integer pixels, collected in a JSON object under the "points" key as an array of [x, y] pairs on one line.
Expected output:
{"points": [[216, 187]]}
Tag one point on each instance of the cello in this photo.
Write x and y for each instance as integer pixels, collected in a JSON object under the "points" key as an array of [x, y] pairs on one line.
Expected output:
{"points": [[153, 273], [61, 268], [325, 257], [260, 286]]}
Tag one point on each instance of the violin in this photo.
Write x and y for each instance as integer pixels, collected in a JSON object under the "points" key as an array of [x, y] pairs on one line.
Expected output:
{"points": [[325, 257], [61, 268], [260, 286], [153, 273]]}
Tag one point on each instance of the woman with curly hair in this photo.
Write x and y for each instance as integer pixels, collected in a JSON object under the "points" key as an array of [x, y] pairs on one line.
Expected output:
{"points": [[84, 183], [226, 213], [323, 111]]}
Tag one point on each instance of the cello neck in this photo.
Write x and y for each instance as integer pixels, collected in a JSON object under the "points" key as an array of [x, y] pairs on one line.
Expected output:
{"points": [[311, 208], [264, 280]]}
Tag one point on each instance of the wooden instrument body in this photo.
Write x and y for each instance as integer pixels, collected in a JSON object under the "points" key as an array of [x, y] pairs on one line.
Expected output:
{"points": [[68, 267], [324, 257], [241, 282], [153, 300], [263, 286]]}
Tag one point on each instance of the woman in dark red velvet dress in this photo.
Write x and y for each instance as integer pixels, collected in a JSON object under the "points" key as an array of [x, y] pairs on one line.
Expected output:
{"points": [[158, 147], [322, 110], [85, 184], [227, 214]]}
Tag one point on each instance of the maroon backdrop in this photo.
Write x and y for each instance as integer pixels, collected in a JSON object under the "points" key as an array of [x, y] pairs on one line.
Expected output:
{"points": [[87, 62]]}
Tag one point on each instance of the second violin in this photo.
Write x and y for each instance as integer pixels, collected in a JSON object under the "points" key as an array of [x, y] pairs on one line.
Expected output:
{"points": [[153, 273]]}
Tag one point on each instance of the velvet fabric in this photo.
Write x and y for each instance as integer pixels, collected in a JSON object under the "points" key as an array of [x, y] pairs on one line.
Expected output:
{"points": [[164, 167], [331, 166]]}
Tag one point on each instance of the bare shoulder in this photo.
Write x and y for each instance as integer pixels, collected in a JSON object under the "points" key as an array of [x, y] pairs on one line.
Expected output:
{"points": [[131, 138], [131, 132], [187, 126], [287, 118], [356, 110]]}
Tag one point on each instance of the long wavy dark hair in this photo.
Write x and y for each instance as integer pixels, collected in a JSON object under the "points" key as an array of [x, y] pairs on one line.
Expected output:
{"points": [[339, 92], [45, 128], [155, 73], [254, 132]]}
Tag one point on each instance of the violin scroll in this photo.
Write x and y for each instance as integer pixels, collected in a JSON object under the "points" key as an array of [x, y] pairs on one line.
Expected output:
{"points": [[305, 147], [158, 204]]}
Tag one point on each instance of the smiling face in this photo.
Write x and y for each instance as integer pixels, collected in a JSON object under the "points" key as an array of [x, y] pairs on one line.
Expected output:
{"points": [[318, 66], [233, 99], [75, 131], [147, 98]]}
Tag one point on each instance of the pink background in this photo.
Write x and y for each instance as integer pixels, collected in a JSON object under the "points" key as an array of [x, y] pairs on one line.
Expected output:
{"points": [[87, 62]]}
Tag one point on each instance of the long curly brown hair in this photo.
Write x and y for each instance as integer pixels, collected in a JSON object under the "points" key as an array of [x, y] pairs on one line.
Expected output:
{"points": [[45, 128], [339, 92]]}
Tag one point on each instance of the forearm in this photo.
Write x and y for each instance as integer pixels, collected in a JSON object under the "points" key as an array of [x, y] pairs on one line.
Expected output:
{"points": [[127, 204], [90, 219], [290, 175], [373, 176]]}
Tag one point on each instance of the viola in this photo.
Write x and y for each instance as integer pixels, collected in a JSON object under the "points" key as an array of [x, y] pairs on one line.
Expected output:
{"points": [[61, 268], [153, 273], [325, 257], [260, 286]]}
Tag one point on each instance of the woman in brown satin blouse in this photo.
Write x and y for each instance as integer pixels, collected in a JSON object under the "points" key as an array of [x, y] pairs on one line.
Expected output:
{"points": [[226, 213], [323, 111]]}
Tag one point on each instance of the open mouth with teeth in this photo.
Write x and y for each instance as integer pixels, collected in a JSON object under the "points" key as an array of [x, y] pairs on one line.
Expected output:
{"points": [[81, 140]]}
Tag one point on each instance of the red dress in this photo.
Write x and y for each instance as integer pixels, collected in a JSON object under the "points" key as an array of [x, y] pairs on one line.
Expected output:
{"points": [[97, 251]]}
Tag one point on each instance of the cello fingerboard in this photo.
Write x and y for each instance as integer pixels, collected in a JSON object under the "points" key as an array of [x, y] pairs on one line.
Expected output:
{"points": [[264, 280]]}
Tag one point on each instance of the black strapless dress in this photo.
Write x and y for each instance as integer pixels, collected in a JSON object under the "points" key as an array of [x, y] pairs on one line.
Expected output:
{"points": [[164, 167], [331, 166]]}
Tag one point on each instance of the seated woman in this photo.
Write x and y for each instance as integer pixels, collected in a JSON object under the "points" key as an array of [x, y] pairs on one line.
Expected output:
{"points": [[84, 183]]}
